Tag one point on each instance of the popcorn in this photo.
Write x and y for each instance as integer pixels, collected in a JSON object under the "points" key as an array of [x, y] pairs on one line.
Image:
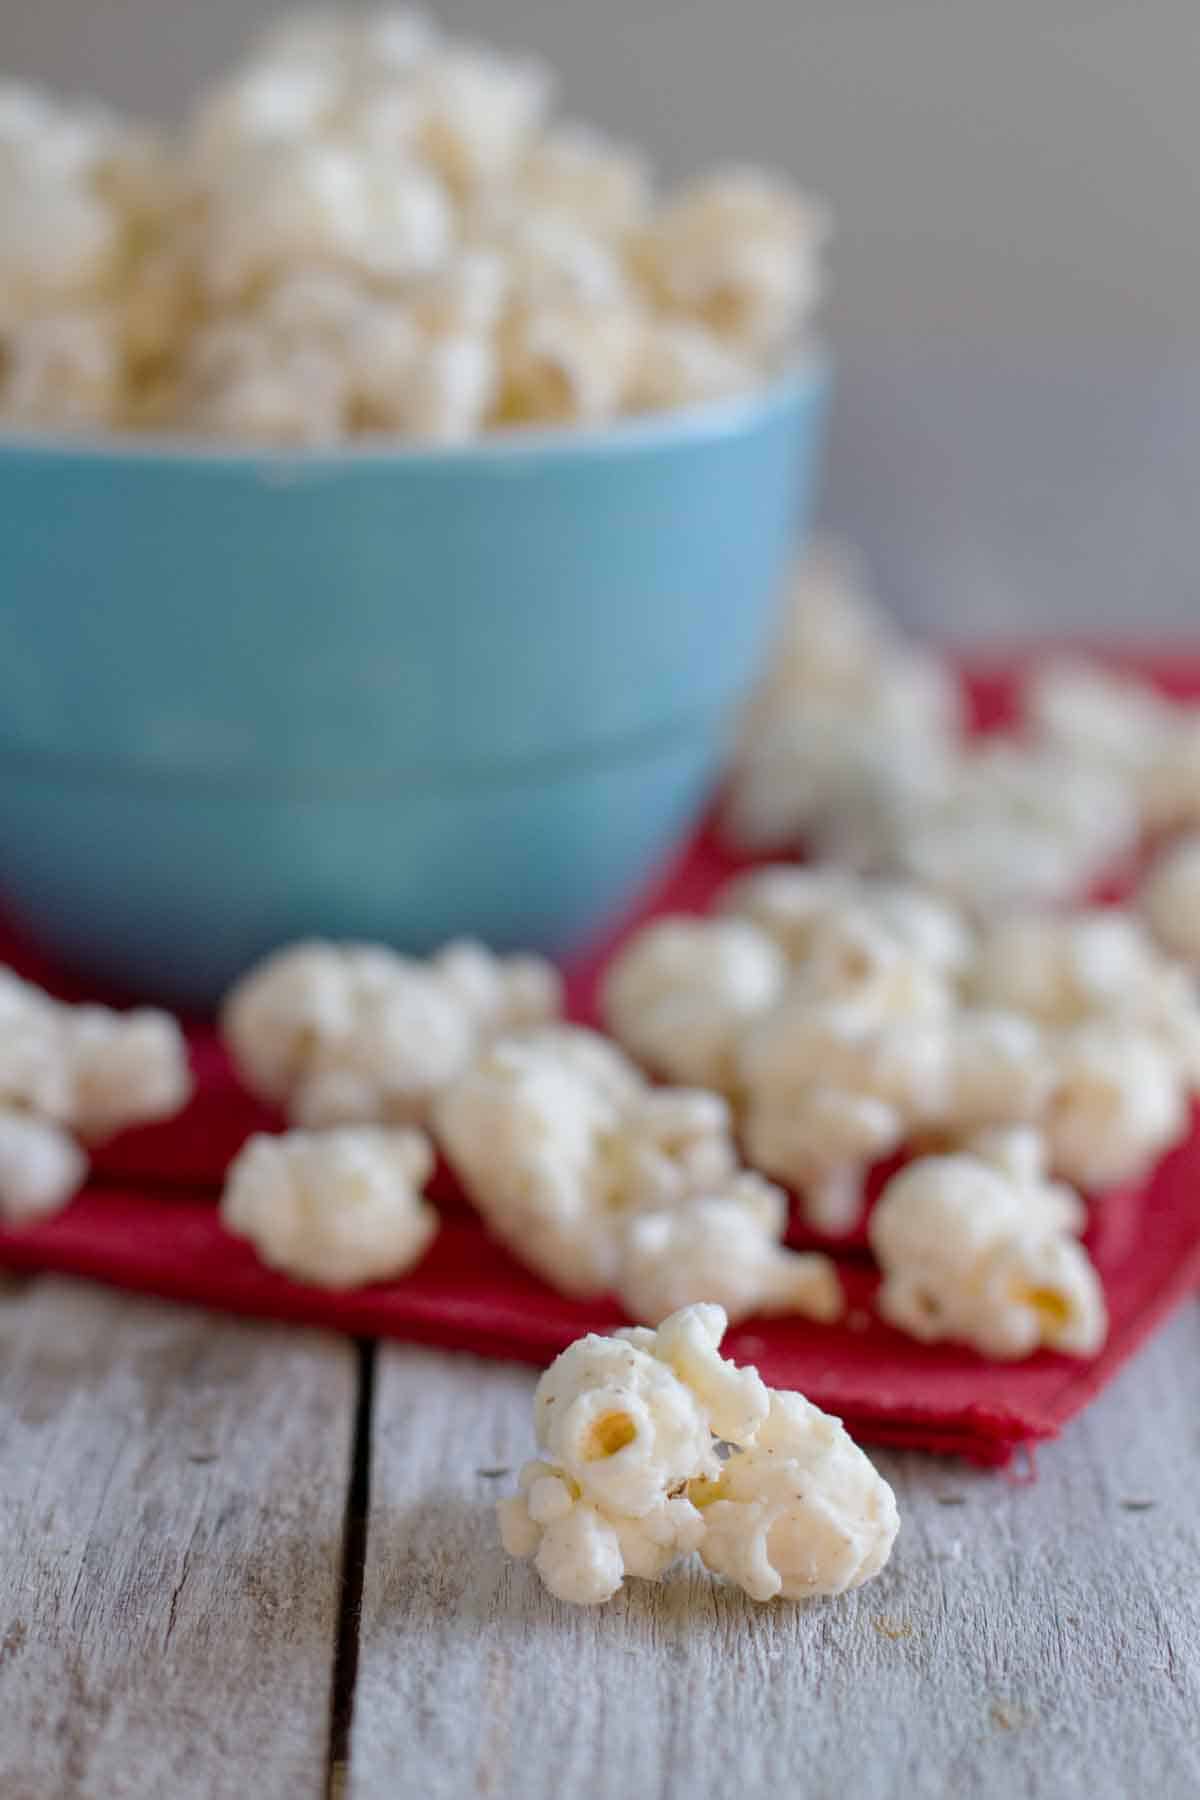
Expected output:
{"points": [[567, 362], [633, 1481], [284, 203], [336, 1208], [1169, 899], [1118, 1103], [1096, 964], [451, 392], [724, 1248], [558, 1141], [982, 1254], [851, 730], [802, 908], [679, 992], [998, 1069], [577, 172], [679, 364], [480, 112], [738, 251], [355, 1033], [41, 1167], [1015, 825], [70, 1072], [834, 1081], [64, 370], [1120, 726], [800, 1512], [89, 1068]]}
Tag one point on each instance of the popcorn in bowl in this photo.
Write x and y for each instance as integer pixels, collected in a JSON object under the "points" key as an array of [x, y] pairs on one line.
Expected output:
{"points": [[655, 1446], [141, 277]]}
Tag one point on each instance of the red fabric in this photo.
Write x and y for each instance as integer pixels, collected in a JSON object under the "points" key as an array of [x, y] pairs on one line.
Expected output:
{"points": [[148, 1221]]}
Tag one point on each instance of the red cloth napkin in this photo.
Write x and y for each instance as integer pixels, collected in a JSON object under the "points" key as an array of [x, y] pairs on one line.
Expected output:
{"points": [[148, 1221]]}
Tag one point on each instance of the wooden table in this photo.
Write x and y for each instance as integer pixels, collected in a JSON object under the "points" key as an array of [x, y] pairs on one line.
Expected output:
{"points": [[248, 1561]]}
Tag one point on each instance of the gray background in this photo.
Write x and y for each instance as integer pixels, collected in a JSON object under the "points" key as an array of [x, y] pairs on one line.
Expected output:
{"points": [[1016, 314]]}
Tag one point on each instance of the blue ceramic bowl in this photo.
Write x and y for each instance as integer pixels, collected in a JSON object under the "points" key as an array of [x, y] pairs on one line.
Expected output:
{"points": [[397, 694]]}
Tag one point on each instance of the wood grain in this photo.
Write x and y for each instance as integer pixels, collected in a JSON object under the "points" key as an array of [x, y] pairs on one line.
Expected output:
{"points": [[1034, 1639], [171, 1504]]}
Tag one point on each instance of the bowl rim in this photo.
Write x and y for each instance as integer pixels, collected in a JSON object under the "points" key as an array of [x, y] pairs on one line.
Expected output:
{"points": [[727, 416]]}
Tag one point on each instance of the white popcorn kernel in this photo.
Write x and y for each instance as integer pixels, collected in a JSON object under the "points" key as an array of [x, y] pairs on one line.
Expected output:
{"points": [[276, 100], [41, 1168], [682, 364], [59, 237], [89, 1068], [479, 112], [801, 1512], [679, 992], [738, 251], [558, 1140], [65, 369], [281, 204], [622, 1424], [125, 1068], [971, 1253], [724, 1248], [579, 172], [635, 1482], [1021, 1153], [1117, 1104], [1065, 969], [1095, 716], [998, 1070], [553, 262], [355, 1033], [1169, 899], [465, 297], [567, 362], [451, 391], [336, 1208]]}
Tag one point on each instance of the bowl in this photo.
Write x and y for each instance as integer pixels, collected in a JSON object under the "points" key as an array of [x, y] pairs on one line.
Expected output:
{"points": [[399, 693]]}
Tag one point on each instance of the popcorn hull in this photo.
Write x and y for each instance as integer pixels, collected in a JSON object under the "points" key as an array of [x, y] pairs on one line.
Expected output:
{"points": [[395, 694]]}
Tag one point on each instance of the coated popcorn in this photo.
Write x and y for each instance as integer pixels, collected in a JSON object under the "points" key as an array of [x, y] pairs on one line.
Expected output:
{"points": [[724, 1248], [982, 1252], [356, 1033], [1169, 899], [505, 268], [678, 993], [559, 1141], [631, 1479], [336, 1208], [799, 1512], [41, 1167], [72, 1076]]}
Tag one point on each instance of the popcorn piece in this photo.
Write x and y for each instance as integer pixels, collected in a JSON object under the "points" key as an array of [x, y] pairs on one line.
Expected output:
{"points": [[635, 1481], [724, 1248], [335, 1208], [1118, 1103], [679, 992], [680, 364], [452, 390], [41, 1168], [88, 1068], [998, 1070], [480, 111], [972, 1253], [832, 1083], [738, 251], [567, 362], [1169, 899], [801, 1511], [340, 1034], [576, 171], [125, 1069], [1098, 964], [65, 370], [1095, 716], [804, 908], [283, 203], [558, 1141]]}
